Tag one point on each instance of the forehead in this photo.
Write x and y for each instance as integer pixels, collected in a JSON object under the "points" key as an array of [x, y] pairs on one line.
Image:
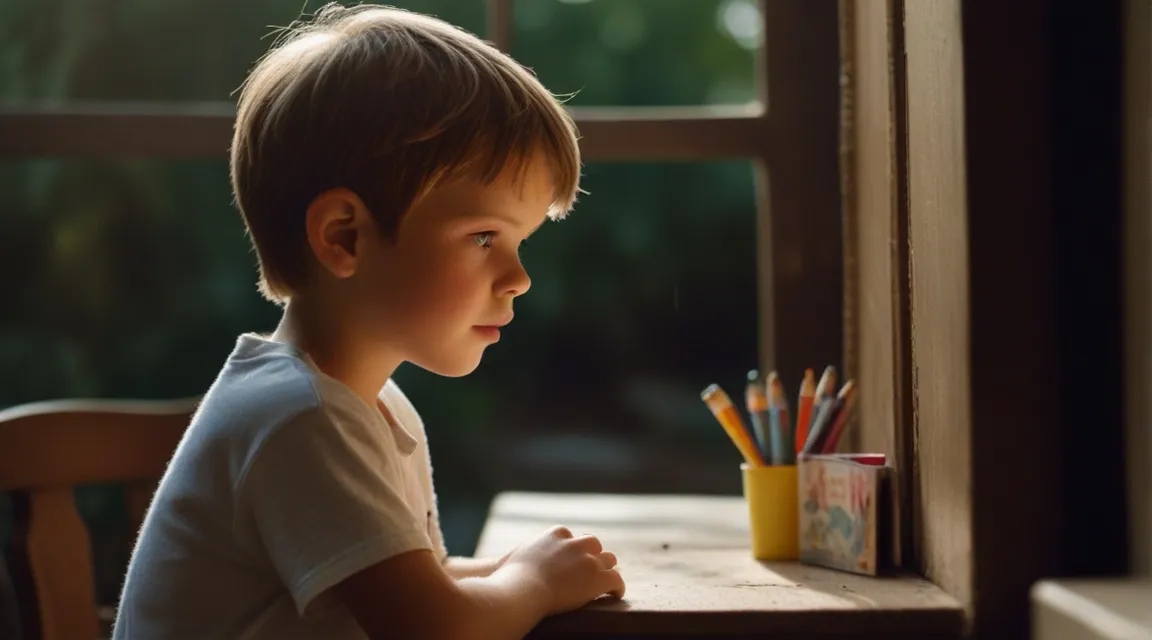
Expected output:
{"points": [[531, 181], [525, 191]]}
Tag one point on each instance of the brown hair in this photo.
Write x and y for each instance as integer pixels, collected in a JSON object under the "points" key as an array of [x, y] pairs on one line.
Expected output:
{"points": [[389, 104]]}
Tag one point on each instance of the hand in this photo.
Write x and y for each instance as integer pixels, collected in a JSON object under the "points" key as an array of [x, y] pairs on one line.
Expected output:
{"points": [[573, 570]]}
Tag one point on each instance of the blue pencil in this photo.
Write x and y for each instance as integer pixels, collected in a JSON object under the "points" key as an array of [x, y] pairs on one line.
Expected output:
{"points": [[757, 400]]}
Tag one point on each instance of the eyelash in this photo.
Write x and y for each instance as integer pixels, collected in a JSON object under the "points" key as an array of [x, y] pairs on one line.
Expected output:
{"points": [[491, 236], [480, 239]]}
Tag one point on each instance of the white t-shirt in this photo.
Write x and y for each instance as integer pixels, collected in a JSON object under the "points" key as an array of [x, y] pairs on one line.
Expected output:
{"points": [[285, 484]]}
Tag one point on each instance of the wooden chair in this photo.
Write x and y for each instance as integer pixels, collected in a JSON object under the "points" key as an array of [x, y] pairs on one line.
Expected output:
{"points": [[46, 450]]}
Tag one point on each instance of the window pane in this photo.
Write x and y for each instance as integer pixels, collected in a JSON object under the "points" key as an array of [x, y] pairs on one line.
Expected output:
{"points": [[137, 279], [155, 50], [641, 52]]}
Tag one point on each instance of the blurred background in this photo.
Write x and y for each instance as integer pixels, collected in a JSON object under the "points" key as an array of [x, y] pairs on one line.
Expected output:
{"points": [[132, 279]]}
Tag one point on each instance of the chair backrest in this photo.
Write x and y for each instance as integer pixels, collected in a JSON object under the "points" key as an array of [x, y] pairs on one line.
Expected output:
{"points": [[46, 450]]}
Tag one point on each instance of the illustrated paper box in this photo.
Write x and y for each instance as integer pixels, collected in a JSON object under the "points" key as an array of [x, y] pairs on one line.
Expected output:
{"points": [[845, 517]]}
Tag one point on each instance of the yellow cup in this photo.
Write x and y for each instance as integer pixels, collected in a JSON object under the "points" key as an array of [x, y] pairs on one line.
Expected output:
{"points": [[773, 511]]}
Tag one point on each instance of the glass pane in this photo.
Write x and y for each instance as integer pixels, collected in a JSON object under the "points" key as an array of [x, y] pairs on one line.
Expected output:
{"points": [[155, 50], [137, 278], [641, 52]]}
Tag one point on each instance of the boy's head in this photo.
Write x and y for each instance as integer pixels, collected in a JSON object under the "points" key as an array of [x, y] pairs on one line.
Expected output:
{"points": [[390, 163]]}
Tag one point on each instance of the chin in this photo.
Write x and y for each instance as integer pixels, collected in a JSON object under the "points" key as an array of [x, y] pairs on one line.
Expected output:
{"points": [[449, 367]]}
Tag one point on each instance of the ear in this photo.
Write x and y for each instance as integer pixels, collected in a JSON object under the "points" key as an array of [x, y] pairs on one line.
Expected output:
{"points": [[337, 221]]}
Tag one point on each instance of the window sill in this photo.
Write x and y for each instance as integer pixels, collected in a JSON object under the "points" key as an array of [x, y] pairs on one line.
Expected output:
{"points": [[1092, 609], [688, 569]]}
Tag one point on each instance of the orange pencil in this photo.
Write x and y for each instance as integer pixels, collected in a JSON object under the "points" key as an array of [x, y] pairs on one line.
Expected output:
{"points": [[804, 409], [726, 414]]}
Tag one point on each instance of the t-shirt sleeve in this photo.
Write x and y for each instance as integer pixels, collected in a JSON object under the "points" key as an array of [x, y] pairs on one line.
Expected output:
{"points": [[323, 495]]}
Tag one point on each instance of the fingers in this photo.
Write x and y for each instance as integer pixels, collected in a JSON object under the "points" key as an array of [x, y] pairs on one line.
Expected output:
{"points": [[592, 546], [607, 559], [560, 532], [589, 544], [612, 583]]}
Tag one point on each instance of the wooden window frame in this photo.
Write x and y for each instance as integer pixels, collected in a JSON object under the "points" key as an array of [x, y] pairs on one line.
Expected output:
{"points": [[985, 219]]}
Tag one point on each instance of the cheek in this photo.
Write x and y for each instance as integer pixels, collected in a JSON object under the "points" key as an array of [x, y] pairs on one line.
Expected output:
{"points": [[445, 287]]}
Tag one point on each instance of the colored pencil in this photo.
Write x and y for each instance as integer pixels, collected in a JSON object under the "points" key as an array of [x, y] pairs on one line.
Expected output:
{"points": [[821, 415], [725, 412], [804, 410], [826, 388], [781, 436], [757, 402], [847, 401]]}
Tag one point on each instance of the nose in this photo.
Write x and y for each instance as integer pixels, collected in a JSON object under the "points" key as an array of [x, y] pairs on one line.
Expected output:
{"points": [[516, 281]]}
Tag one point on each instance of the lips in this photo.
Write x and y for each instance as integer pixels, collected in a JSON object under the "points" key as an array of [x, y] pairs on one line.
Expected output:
{"points": [[505, 321]]}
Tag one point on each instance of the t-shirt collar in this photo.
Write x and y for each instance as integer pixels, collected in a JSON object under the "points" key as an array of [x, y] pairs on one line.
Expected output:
{"points": [[406, 443]]}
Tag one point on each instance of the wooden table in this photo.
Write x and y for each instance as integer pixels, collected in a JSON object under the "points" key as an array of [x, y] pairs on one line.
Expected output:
{"points": [[688, 571]]}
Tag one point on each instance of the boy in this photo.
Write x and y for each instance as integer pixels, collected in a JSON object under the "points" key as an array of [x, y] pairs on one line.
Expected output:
{"points": [[387, 167]]}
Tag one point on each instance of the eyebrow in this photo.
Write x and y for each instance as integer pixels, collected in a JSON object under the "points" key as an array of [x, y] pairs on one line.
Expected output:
{"points": [[509, 220]]}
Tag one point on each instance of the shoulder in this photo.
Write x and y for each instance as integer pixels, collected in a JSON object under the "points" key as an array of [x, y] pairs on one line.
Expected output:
{"points": [[268, 399], [254, 395]]}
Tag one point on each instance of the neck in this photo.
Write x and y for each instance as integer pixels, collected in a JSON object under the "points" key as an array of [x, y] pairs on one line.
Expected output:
{"points": [[341, 351]]}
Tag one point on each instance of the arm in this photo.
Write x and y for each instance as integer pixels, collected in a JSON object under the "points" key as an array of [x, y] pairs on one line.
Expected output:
{"points": [[411, 595], [431, 604], [460, 568], [376, 557]]}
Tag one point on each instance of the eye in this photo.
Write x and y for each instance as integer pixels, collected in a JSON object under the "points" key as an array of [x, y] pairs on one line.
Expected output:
{"points": [[484, 239]]}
